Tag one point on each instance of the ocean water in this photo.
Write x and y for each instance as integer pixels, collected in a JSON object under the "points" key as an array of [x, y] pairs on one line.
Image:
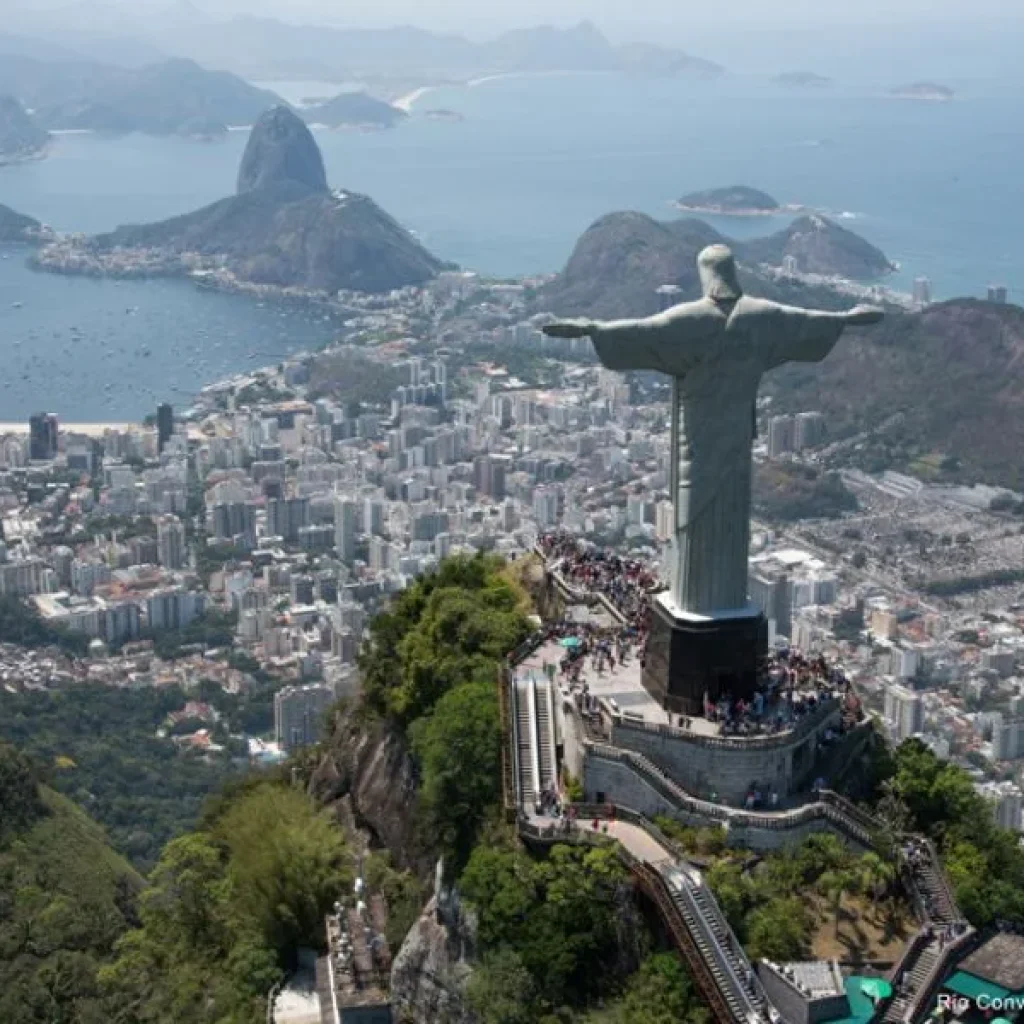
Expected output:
{"points": [[507, 191]]}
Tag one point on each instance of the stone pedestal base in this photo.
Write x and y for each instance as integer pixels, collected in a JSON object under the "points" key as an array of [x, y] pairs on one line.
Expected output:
{"points": [[688, 657]]}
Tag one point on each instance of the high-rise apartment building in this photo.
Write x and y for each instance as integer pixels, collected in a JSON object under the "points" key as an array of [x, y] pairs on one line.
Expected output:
{"points": [[285, 516], [781, 436], [345, 521], [904, 712], [42, 436], [164, 424], [170, 542], [299, 714]]}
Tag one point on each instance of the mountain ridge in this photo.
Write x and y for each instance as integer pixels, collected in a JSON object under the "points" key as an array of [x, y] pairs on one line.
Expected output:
{"points": [[21, 138], [621, 259]]}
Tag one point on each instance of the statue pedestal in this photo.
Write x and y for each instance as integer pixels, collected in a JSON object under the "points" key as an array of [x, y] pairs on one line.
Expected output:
{"points": [[688, 656]]}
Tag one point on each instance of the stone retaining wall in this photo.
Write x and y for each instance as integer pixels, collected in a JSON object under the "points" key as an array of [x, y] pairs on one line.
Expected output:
{"points": [[704, 767]]}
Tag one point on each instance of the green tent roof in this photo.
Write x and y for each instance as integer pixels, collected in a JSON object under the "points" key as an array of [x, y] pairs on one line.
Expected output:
{"points": [[968, 985], [876, 988], [862, 1009]]}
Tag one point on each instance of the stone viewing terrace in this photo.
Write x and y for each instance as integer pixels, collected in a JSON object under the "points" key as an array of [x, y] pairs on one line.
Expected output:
{"points": [[596, 652]]}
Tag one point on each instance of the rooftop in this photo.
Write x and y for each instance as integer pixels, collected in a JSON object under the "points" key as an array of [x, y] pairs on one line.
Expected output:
{"points": [[1000, 960]]}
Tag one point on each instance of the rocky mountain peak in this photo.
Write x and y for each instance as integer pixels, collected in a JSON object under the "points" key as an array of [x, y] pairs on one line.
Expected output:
{"points": [[281, 151]]}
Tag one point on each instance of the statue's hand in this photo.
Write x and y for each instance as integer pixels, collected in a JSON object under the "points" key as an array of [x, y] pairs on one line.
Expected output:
{"points": [[861, 316], [569, 328]]}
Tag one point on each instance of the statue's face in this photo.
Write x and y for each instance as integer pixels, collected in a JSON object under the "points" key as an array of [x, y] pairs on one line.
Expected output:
{"points": [[718, 276]]}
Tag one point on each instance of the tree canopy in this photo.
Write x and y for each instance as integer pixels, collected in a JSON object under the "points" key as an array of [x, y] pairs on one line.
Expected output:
{"points": [[984, 861], [449, 627], [226, 910]]}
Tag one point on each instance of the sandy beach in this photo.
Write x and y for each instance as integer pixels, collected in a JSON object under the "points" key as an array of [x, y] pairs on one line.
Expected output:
{"points": [[407, 101]]}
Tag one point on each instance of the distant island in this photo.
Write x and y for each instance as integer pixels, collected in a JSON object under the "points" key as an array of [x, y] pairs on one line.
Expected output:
{"points": [[21, 138], [354, 109], [732, 201], [802, 80], [923, 91], [443, 114], [284, 229]]}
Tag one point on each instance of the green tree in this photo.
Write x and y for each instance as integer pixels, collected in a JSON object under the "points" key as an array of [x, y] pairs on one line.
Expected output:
{"points": [[662, 992], [19, 797], [779, 930], [227, 909], [875, 875], [459, 748], [287, 864], [560, 915], [501, 990], [448, 627]]}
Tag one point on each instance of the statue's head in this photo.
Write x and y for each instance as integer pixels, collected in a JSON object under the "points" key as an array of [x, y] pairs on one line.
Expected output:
{"points": [[718, 275]]}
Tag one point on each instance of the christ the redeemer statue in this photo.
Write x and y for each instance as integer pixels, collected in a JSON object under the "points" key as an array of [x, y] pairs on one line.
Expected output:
{"points": [[715, 350]]}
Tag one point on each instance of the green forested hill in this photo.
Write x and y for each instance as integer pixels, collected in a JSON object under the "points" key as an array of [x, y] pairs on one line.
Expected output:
{"points": [[939, 393], [65, 899]]}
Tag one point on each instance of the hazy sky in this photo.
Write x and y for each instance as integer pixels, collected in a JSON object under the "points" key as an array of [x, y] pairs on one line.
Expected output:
{"points": [[610, 14], [965, 40]]}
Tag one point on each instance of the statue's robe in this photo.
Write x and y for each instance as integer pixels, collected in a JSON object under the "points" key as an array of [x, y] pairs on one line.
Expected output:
{"points": [[716, 354]]}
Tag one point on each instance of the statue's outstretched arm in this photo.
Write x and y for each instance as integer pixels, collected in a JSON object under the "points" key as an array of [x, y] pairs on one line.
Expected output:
{"points": [[582, 327], [621, 344], [808, 335]]}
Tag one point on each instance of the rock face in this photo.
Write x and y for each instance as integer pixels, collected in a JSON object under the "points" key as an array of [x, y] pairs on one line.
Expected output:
{"points": [[20, 136], [819, 246], [621, 259], [367, 777], [430, 971], [285, 227], [281, 151]]}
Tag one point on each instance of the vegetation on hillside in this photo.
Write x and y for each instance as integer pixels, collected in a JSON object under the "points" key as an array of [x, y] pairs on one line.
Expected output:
{"points": [[985, 862], [98, 746], [431, 666], [557, 917], [65, 897], [788, 491], [783, 905], [227, 909], [950, 372], [21, 624]]}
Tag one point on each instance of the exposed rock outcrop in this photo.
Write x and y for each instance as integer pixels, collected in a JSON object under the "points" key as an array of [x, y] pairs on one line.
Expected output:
{"points": [[367, 776], [285, 228], [429, 974], [281, 151], [819, 246]]}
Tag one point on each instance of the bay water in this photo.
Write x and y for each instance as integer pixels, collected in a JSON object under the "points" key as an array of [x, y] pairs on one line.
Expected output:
{"points": [[506, 191]]}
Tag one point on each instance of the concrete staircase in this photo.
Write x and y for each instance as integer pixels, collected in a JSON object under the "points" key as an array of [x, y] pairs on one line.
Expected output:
{"points": [[915, 976]]}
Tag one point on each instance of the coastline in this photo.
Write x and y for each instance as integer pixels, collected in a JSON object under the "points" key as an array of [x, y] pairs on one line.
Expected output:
{"points": [[408, 100], [31, 157]]}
